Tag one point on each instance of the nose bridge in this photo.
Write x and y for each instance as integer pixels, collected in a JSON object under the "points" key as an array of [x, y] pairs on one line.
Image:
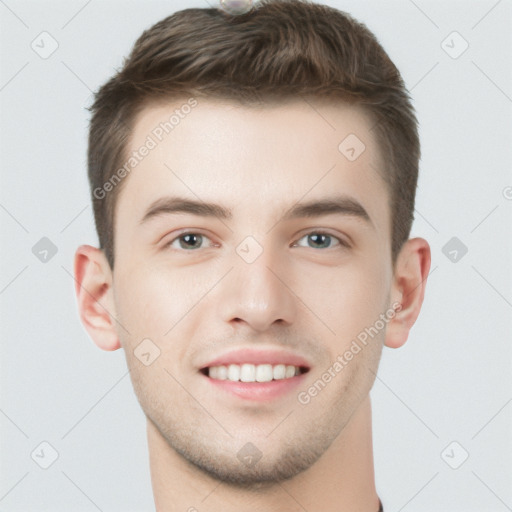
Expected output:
{"points": [[256, 293]]}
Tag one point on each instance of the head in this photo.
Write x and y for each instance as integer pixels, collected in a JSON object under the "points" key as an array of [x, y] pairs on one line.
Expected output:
{"points": [[246, 119]]}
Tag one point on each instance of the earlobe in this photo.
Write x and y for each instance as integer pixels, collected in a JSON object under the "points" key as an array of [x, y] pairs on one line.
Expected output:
{"points": [[409, 282], [93, 287]]}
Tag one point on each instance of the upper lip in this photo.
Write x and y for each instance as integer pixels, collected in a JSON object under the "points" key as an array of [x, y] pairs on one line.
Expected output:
{"points": [[253, 356]]}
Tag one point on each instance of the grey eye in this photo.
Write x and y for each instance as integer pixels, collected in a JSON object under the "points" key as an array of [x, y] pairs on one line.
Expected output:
{"points": [[319, 241]]}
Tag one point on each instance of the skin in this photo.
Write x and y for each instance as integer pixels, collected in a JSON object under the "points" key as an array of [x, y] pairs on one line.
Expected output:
{"points": [[309, 298]]}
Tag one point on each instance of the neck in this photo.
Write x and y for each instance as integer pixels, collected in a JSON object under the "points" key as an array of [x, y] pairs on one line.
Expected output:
{"points": [[342, 479]]}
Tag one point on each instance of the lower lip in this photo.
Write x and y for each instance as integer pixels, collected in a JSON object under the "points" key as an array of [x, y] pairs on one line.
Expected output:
{"points": [[258, 391]]}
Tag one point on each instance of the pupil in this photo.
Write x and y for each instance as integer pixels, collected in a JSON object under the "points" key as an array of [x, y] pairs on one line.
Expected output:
{"points": [[190, 240], [320, 239]]}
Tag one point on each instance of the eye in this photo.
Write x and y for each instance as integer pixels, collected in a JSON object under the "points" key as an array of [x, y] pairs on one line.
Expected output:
{"points": [[188, 241], [321, 240]]}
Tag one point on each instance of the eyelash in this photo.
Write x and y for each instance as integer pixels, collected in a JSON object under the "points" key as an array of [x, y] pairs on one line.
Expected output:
{"points": [[342, 244]]}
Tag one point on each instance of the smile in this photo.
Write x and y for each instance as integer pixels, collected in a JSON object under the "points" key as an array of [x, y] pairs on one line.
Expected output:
{"points": [[253, 373]]}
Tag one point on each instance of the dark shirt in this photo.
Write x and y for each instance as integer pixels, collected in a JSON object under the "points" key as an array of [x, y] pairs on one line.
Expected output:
{"points": [[380, 506]]}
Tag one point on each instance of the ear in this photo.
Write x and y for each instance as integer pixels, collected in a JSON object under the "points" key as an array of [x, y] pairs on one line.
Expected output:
{"points": [[408, 290], [96, 306]]}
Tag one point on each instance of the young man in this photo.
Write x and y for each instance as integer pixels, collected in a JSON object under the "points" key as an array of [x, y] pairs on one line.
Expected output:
{"points": [[253, 179]]}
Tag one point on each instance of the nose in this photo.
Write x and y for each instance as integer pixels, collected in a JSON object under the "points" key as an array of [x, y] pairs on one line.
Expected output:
{"points": [[258, 294]]}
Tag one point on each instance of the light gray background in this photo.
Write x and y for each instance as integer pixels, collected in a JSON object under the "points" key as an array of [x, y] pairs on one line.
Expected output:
{"points": [[450, 382]]}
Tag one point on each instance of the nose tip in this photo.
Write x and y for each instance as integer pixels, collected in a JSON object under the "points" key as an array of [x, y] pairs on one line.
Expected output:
{"points": [[256, 296]]}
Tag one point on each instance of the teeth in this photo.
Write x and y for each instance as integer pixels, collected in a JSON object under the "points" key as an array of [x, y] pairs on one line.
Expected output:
{"points": [[264, 372], [279, 371], [222, 373], [233, 372], [253, 373], [290, 372], [248, 373]]}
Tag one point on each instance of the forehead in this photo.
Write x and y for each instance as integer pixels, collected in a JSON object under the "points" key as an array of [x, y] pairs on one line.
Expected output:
{"points": [[224, 152]]}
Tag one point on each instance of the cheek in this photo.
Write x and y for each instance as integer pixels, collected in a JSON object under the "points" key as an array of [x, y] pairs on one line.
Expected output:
{"points": [[347, 298], [143, 306], [151, 301]]}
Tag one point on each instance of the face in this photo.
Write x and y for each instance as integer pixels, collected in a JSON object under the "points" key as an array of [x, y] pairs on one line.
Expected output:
{"points": [[246, 237]]}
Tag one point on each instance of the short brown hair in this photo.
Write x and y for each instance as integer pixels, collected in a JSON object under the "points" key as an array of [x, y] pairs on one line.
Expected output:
{"points": [[279, 50]]}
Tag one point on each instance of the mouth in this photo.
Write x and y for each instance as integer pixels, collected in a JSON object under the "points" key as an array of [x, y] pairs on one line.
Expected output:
{"points": [[255, 375], [247, 372]]}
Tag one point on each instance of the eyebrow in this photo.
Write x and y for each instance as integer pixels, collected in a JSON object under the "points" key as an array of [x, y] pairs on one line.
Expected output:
{"points": [[343, 205]]}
